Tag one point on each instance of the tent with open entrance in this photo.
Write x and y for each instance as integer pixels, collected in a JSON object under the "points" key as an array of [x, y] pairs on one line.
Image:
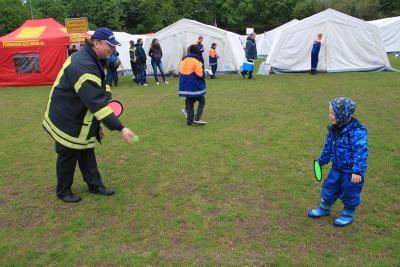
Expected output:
{"points": [[34, 53], [177, 37], [390, 33], [349, 44]]}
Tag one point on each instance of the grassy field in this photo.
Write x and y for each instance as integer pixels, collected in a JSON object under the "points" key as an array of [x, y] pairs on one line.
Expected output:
{"points": [[232, 193]]}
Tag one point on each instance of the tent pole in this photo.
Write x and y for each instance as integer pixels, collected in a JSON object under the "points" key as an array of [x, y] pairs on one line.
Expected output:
{"points": [[30, 4]]}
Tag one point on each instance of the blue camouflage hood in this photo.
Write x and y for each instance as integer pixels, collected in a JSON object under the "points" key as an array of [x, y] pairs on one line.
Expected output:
{"points": [[343, 107]]}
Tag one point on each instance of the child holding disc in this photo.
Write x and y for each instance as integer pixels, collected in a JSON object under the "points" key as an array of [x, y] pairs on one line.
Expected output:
{"points": [[347, 148]]}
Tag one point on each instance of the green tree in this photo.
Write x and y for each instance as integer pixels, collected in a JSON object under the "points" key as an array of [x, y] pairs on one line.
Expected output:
{"points": [[50, 9], [13, 14], [308, 8]]}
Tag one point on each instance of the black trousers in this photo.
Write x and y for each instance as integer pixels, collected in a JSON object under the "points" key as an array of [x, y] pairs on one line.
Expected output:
{"points": [[190, 108], [214, 69], [134, 70], [66, 163]]}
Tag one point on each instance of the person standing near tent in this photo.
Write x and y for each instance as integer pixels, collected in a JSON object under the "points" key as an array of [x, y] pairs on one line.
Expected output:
{"points": [[112, 68], [155, 52], [132, 54], [200, 46], [77, 105], [315, 53], [141, 62], [213, 60], [251, 53]]}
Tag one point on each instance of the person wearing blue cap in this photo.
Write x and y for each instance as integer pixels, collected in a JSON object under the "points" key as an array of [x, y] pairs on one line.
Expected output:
{"points": [[346, 147], [77, 105]]}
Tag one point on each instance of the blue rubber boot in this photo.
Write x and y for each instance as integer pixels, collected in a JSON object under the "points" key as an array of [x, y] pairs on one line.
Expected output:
{"points": [[323, 210], [345, 218]]}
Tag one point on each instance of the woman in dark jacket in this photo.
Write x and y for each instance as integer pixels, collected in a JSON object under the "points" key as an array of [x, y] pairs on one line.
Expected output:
{"points": [[155, 53]]}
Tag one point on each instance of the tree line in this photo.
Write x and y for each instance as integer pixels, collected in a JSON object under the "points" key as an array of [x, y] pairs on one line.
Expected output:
{"points": [[143, 16]]}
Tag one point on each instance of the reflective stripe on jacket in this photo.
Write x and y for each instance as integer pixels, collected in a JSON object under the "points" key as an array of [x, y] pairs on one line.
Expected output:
{"points": [[191, 77], [78, 102]]}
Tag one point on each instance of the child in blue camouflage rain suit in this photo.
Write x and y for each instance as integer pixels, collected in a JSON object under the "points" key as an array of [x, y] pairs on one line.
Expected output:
{"points": [[347, 148]]}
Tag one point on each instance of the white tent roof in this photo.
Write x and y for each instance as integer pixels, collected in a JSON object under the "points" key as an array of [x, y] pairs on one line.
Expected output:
{"points": [[349, 44], [123, 50], [177, 37], [264, 40], [243, 39], [390, 33]]}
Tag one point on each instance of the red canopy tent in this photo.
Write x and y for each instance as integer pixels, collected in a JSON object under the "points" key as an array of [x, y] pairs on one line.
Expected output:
{"points": [[34, 53]]}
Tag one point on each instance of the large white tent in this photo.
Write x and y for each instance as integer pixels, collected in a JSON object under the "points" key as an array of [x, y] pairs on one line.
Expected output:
{"points": [[177, 37], [390, 33], [243, 39], [349, 44], [123, 50], [264, 40]]}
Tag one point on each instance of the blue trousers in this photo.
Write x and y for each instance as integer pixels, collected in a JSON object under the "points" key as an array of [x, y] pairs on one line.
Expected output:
{"points": [[214, 69], [141, 73], [112, 77], [157, 64], [314, 62], [338, 185]]}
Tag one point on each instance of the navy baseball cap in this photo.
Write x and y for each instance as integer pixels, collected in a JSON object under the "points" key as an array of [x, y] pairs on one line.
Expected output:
{"points": [[107, 35]]}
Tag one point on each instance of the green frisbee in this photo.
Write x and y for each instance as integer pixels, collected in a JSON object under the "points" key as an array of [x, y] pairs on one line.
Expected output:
{"points": [[317, 171], [135, 139]]}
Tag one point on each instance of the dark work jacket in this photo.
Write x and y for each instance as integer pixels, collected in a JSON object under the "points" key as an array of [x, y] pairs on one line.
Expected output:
{"points": [[251, 49], [78, 102], [140, 54]]}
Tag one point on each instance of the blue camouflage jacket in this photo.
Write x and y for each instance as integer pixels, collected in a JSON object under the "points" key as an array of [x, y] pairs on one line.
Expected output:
{"points": [[346, 147]]}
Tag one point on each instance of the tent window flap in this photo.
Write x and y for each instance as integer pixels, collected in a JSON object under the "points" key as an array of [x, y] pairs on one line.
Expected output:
{"points": [[27, 63]]}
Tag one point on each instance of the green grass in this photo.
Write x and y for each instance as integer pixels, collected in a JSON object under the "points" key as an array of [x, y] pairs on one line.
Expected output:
{"points": [[232, 193]]}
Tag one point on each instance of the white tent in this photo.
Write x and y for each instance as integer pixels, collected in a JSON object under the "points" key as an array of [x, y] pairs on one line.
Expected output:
{"points": [[177, 37], [349, 44], [123, 50], [264, 40], [243, 39], [390, 33]]}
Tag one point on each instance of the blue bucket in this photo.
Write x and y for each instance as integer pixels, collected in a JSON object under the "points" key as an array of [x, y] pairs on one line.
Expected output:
{"points": [[248, 66]]}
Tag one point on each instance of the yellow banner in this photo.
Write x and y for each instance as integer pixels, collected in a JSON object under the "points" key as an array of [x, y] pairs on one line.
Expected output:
{"points": [[76, 25], [77, 39], [22, 43], [30, 32]]}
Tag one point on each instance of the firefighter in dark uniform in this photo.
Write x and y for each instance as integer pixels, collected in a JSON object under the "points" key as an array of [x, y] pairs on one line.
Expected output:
{"points": [[76, 106], [315, 53]]}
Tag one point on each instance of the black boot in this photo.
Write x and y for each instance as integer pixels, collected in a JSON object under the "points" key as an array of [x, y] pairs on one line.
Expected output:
{"points": [[71, 198], [101, 190]]}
